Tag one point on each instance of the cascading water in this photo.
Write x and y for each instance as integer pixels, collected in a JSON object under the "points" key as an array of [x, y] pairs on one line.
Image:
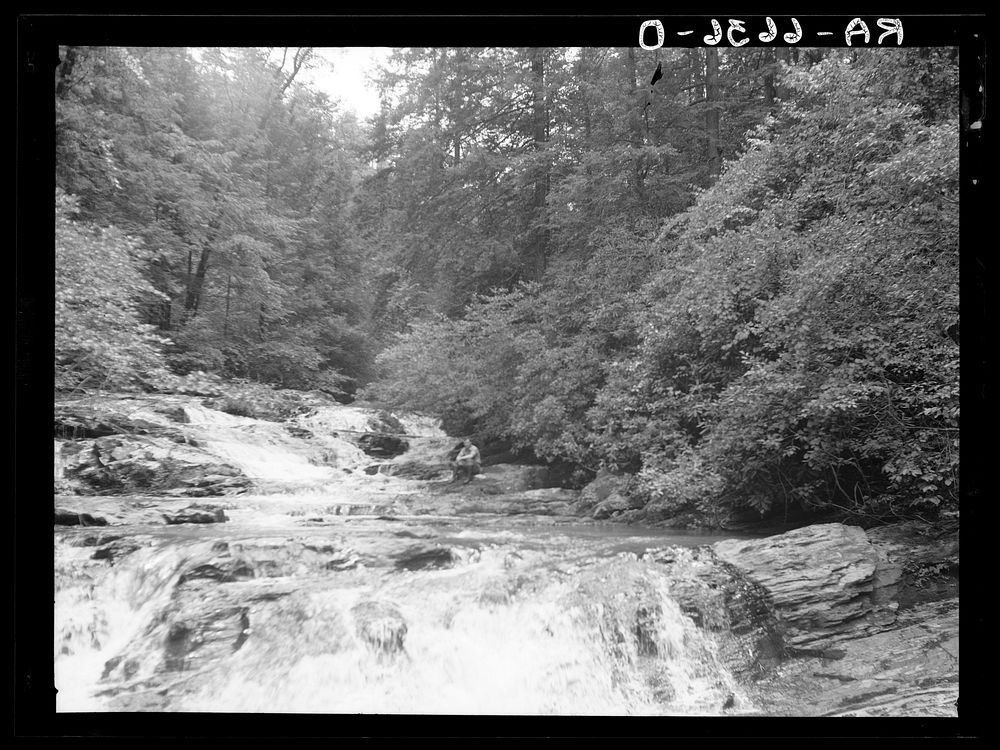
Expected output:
{"points": [[296, 606]]}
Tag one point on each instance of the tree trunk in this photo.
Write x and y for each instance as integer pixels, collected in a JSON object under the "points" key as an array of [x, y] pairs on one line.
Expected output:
{"points": [[712, 97], [225, 322], [770, 92], [197, 282], [635, 105], [539, 239]]}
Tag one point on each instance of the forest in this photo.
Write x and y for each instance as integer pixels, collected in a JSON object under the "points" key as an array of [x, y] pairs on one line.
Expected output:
{"points": [[737, 285]]}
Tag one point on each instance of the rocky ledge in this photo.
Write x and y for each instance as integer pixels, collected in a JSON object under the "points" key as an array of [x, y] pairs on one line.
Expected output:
{"points": [[867, 621]]}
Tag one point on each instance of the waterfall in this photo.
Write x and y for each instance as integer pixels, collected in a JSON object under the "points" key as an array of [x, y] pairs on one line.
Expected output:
{"points": [[501, 632], [297, 604]]}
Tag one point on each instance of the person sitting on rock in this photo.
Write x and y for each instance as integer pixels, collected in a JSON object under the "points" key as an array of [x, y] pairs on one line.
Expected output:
{"points": [[467, 462]]}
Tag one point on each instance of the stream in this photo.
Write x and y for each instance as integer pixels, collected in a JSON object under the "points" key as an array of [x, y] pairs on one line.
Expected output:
{"points": [[332, 589]]}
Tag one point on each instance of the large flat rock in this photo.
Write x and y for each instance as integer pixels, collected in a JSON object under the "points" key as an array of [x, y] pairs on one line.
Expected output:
{"points": [[910, 670], [821, 579]]}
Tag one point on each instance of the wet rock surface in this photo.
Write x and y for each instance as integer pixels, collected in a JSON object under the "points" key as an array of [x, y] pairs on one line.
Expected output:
{"points": [[421, 557], [821, 580], [381, 626], [196, 514], [382, 446], [857, 639], [909, 670], [147, 465], [64, 517], [723, 601]]}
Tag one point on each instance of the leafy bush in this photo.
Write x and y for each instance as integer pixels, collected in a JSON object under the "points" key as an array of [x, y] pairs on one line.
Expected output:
{"points": [[100, 341], [789, 340], [796, 341]]}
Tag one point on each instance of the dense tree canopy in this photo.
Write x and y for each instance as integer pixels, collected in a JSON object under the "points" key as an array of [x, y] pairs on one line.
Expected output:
{"points": [[739, 284], [239, 181]]}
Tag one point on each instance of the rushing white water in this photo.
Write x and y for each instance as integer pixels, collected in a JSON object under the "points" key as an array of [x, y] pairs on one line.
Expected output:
{"points": [[470, 649], [296, 606], [266, 451], [505, 630], [99, 611]]}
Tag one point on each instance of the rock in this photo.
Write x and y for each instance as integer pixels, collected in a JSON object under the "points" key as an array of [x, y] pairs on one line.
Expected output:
{"points": [[419, 557], [727, 604], [821, 580], [614, 504], [221, 571], [95, 540], [299, 432], [174, 414], [115, 550], [513, 477], [909, 670], [196, 514], [916, 563], [230, 562], [384, 422], [129, 667], [548, 501], [381, 626], [415, 470], [213, 635], [380, 445], [79, 420], [605, 485], [138, 465], [65, 517], [495, 592]]}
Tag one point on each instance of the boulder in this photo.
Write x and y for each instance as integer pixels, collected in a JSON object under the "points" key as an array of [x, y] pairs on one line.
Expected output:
{"points": [[214, 635], [64, 517], [420, 557], [75, 423], [875, 676], [77, 420], [910, 670], [299, 432], [115, 549], [916, 563], [381, 626], [728, 605], [513, 477], [95, 540], [615, 504], [385, 423], [379, 445], [120, 465], [604, 485], [821, 580], [196, 514]]}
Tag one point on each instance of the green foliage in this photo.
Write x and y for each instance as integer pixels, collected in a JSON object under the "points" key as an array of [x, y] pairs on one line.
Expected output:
{"points": [[784, 341], [239, 181], [796, 339], [523, 365], [100, 341], [542, 250]]}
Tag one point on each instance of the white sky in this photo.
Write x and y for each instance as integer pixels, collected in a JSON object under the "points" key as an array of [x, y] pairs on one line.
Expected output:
{"points": [[341, 74]]}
